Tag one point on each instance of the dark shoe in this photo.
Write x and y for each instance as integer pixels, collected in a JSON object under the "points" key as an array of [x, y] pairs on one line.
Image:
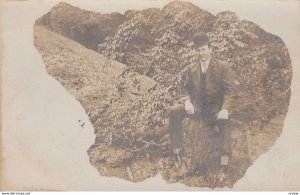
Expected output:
{"points": [[222, 174], [177, 156], [224, 161]]}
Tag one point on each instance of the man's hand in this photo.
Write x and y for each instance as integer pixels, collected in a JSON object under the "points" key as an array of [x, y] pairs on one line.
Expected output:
{"points": [[223, 114], [188, 106]]}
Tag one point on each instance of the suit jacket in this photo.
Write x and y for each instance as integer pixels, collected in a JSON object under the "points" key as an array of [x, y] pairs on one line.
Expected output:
{"points": [[220, 83]]}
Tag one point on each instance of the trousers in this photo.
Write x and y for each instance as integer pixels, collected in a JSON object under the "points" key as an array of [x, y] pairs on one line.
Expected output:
{"points": [[177, 113]]}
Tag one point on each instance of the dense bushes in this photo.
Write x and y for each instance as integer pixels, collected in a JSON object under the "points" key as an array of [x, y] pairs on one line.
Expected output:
{"points": [[259, 59], [86, 27], [131, 120]]}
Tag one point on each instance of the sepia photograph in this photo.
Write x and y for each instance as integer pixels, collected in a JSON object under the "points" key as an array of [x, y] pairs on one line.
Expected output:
{"points": [[154, 95]]}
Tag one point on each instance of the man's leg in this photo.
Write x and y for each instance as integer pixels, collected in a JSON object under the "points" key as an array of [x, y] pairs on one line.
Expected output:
{"points": [[225, 155], [220, 127], [176, 115], [226, 143]]}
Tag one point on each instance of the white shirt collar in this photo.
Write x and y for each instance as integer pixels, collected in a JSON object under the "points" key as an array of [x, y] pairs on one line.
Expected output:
{"points": [[204, 65]]}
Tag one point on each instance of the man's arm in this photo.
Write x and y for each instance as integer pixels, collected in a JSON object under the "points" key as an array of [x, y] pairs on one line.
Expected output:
{"points": [[187, 92], [187, 86], [229, 83]]}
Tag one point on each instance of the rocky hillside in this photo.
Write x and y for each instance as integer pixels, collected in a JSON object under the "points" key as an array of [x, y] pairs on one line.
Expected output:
{"points": [[86, 27], [129, 111]]}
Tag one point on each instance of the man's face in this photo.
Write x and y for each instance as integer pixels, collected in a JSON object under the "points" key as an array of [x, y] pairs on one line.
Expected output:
{"points": [[204, 52]]}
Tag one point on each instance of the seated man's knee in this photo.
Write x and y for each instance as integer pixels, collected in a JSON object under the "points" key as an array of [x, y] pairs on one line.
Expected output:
{"points": [[176, 109]]}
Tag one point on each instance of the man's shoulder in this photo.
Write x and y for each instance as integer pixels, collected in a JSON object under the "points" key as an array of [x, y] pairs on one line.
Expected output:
{"points": [[222, 64], [191, 66]]}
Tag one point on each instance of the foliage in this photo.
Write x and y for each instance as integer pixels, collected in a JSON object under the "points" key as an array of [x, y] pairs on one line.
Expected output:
{"points": [[131, 121], [264, 84], [260, 61], [86, 27]]}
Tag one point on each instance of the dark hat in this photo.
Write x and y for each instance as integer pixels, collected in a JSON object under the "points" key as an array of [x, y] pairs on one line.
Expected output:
{"points": [[200, 39]]}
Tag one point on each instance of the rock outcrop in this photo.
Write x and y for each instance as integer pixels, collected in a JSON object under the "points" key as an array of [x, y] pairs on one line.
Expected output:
{"points": [[86, 27]]}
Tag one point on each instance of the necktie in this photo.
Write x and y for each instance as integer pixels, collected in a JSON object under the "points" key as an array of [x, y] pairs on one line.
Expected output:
{"points": [[204, 67], [203, 94]]}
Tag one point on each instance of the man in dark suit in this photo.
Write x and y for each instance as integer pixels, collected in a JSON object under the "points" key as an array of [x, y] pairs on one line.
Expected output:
{"points": [[207, 93]]}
